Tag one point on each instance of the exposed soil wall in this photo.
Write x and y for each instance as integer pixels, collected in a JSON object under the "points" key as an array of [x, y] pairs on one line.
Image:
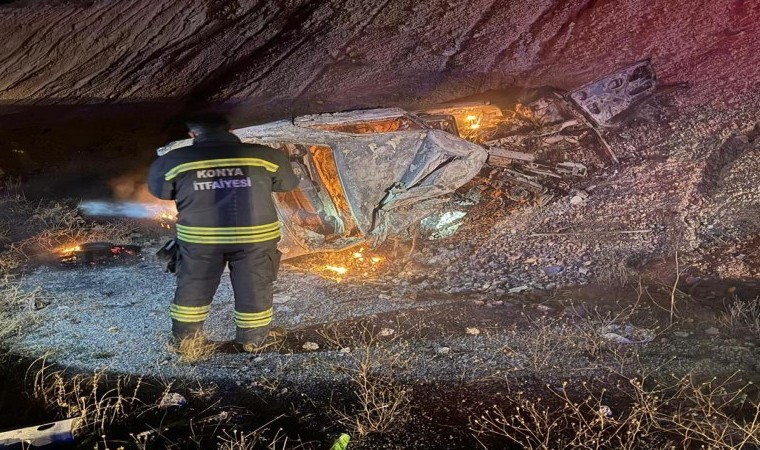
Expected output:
{"points": [[270, 59]]}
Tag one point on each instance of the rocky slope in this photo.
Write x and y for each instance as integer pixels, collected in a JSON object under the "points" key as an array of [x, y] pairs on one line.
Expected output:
{"points": [[270, 58]]}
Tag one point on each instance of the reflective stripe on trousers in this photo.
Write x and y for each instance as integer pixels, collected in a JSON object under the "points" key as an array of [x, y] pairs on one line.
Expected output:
{"points": [[253, 269]]}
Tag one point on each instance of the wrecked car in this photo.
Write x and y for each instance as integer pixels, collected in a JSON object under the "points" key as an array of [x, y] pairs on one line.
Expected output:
{"points": [[364, 175]]}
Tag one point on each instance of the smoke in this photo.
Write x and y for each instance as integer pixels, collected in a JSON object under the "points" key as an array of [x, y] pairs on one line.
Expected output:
{"points": [[134, 188], [134, 210], [132, 199]]}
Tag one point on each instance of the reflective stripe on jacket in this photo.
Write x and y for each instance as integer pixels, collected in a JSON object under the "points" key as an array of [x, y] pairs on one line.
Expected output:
{"points": [[223, 189]]}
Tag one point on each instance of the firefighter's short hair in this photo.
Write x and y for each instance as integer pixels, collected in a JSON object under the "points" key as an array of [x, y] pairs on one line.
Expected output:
{"points": [[206, 122]]}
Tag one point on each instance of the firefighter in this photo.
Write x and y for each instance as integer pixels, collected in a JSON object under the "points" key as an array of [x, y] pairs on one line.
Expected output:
{"points": [[226, 217]]}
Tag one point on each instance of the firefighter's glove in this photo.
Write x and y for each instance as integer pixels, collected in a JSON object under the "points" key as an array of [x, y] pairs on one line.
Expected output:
{"points": [[169, 253]]}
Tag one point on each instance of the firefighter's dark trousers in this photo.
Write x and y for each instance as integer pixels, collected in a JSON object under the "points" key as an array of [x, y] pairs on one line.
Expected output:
{"points": [[253, 269]]}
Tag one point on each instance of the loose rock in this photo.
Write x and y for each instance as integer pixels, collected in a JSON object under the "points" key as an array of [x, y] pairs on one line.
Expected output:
{"points": [[311, 346]]}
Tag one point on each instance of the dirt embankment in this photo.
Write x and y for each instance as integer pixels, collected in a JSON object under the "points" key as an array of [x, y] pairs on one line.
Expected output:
{"points": [[274, 58]]}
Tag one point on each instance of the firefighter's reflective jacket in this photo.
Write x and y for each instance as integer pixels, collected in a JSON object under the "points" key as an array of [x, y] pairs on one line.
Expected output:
{"points": [[223, 189]]}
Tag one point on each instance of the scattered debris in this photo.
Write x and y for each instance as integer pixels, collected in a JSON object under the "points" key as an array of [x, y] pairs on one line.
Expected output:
{"points": [[572, 168], [341, 443], [49, 434], [310, 346], [627, 334], [171, 400], [472, 331], [439, 226], [518, 289], [606, 98], [385, 332], [579, 198], [443, 350]]}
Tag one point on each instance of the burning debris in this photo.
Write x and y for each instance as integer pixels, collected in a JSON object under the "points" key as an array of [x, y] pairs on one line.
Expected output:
{"points": [[97, 253], [538, 146], [359, 265]]}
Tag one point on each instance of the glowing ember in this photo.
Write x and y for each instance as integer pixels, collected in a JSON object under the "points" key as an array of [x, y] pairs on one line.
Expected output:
{"points": [[95, 253], [167, 217], [356, 265], [337, 269], [68, 250], [473, 122]]}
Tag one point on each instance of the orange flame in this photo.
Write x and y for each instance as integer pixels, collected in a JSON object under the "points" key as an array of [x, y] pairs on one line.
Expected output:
{"points": [[167, 217], [69, 250], [348, 264], [337, 269]]}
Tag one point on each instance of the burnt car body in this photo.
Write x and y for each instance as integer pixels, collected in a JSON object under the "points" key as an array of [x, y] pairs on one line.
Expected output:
{"points": [[364, 175]]}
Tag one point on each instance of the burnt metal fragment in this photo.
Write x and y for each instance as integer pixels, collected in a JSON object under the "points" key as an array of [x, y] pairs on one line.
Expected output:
{"points": [[606, 98]]}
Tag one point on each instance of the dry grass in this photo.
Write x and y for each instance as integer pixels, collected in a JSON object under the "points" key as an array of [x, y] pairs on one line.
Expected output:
{"points": [[95, 400], [743, 315], [546, 343], [686, 415], [16, 308], [32, 232], [194, 349], [616, 272], [380, 404]]}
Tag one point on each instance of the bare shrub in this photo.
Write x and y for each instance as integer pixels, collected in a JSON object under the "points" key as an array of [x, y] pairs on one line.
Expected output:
{"points": [[687, 415], [548, 341], [258, 439], [743, 315], [709, 414], [616, 272], [561, 422], [41, 228], [381, 404]]}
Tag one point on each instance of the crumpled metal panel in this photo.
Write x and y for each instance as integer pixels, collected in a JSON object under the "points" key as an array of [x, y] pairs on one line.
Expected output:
{"points": [[604, 99], [381, 173]]}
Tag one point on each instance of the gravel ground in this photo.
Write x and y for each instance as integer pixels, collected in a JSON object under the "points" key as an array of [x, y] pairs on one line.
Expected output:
{"points": [[117, 316], [690, 181]]}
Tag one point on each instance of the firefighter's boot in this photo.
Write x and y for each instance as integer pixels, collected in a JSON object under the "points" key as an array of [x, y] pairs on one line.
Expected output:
{"points": [[253, 340]]}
